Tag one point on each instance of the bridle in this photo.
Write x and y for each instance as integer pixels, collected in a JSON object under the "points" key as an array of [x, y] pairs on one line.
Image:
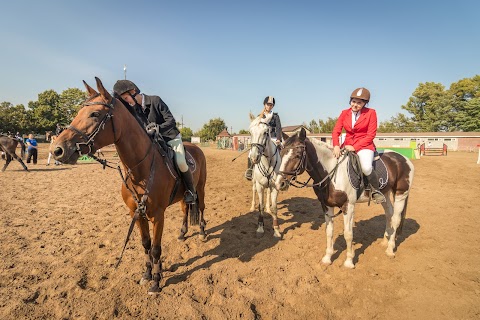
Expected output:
{"points": [[89, 139], [262, 146], [303, 165]]}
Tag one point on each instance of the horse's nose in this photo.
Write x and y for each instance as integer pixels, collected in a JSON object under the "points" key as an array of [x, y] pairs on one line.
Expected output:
{"points": [[58, 152]]}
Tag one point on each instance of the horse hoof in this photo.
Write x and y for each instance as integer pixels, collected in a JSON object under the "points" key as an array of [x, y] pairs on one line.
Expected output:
{"points": [[349, 264], [390, 254], [144, 281], [252, 209], [203, 237], [277, 235], [154, 290], [326, 260], [181, 238]]}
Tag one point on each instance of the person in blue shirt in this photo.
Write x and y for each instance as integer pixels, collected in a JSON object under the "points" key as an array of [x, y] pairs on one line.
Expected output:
{"points": [[32, 149]]}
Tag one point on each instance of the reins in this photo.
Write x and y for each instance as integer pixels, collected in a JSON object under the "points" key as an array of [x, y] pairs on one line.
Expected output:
{"points": [[141, 210]]}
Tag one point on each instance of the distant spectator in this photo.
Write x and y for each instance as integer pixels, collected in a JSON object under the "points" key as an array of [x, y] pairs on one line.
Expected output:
{"points": [[32, 149], [50, 154], [59, 129]]}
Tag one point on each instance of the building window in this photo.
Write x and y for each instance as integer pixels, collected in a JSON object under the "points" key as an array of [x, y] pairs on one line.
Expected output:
{"points": [[446, 139], [381, 139], [397, 139]]}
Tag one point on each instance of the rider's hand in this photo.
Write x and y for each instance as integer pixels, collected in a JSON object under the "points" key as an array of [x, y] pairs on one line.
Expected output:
{"points": [[349, 148], [336, 151]]}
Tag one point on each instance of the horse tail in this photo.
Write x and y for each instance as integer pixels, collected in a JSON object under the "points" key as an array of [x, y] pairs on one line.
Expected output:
{"points": [[194, 213], [403, 215]]}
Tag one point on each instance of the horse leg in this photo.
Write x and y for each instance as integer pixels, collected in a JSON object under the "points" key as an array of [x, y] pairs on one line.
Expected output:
{"points": [[260, 230], [348, 235], [201, 207], [274, 194], [142, 225], [388, 208], [254, 191], [398, 206], [184, 228], [21, 162], [8, 159], [158, 222], [327, 258], [268, 201]]}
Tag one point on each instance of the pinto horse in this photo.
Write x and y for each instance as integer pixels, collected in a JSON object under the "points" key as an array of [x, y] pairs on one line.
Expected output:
{"points": [[104, 120], [8, 145], [266, 159], [333, 188]]}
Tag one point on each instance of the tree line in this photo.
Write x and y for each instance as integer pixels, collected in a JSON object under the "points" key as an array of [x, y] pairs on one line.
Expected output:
{"points": [[431, 108]]}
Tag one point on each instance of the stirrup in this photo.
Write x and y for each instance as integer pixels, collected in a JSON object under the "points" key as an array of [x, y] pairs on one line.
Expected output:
{"points": [[378, 197], [189, 197], [248, 174]]}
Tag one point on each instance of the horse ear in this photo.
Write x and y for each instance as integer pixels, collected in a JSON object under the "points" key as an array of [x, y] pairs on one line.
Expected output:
{"points": [[101, 89], [252, 117], [91, 92], [285, 136], [302, 134]]}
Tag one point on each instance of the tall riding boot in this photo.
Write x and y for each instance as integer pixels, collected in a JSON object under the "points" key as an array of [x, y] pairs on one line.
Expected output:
{"points": [[190, 193], [248, 173], [377, 196]]}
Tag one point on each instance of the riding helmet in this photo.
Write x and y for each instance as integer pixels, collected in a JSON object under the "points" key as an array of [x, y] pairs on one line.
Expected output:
{"points": [[122, 86], [361, 93], [269, 99]]}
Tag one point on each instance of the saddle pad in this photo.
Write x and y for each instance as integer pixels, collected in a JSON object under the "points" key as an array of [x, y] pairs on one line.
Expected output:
{"points": [[355, 174], [172, 167]]}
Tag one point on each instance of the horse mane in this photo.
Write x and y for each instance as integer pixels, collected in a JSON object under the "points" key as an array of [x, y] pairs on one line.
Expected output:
{"points": [[320, 143]]}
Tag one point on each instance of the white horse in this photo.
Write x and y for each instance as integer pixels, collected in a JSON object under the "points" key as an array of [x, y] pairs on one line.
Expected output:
{"points": [[265, 156], [333, 189]]}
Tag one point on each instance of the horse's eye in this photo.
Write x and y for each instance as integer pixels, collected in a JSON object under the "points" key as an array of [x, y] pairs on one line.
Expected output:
{"points": [[95, 114]]}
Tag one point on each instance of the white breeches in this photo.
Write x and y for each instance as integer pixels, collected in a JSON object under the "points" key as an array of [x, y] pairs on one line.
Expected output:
{"points": [[366, 160], [177, 146]]}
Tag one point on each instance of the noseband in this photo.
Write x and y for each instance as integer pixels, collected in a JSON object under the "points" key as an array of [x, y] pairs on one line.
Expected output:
{"points": [[300, 167], [89, 139]]}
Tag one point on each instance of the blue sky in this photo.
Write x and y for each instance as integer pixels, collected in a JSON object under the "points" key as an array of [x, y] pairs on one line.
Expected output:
{"points": [[211, 59]]}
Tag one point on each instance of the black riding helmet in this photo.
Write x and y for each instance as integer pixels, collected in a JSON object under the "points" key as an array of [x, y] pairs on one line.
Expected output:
{"points": [[122, 86]]}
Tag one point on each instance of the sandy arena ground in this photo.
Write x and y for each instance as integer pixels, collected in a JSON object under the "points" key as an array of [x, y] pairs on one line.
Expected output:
{"points": [[62, 229]]}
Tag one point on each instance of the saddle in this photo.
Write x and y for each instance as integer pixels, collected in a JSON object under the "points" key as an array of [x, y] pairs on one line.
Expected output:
{"points": [[168, 153], [358, 180]]}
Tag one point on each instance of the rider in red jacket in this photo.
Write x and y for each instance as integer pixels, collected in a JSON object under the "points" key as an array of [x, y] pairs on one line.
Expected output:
{"points": [[360, 124]]}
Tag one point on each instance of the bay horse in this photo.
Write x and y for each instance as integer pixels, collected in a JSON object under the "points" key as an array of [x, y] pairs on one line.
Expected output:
{"points": [[266, 158], [104, 120], [8, 145], [333, 188]]}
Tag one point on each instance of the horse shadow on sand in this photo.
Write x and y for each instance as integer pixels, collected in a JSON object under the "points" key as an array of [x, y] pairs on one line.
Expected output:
{"points": [[238, 238]]}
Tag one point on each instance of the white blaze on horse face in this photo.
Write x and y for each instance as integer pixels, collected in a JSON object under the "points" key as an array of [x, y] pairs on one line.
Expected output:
{"points": [[286, 159]]}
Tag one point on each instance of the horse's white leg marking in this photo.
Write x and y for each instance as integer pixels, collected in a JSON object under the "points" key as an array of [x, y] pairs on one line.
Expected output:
{"points": [[276, 229], [348, 234], [388, 208], [327, 258], [254, 191]]}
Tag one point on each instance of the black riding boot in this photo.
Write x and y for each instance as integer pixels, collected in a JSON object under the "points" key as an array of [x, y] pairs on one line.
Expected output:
{"points": [[377, 196], [190, 193], [248, 173]]}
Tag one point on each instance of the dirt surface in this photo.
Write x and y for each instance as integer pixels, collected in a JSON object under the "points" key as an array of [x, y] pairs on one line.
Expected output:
{"points": [[62, 229]]}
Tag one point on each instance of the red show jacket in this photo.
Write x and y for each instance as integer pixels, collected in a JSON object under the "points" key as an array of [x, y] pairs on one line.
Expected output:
{"points": [[362, 134]]}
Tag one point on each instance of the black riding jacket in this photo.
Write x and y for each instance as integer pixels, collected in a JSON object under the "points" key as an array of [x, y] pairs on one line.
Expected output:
{"points": [[275, 127], [158, 112]]}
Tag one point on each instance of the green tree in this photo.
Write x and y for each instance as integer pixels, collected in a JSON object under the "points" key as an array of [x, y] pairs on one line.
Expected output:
{"points": [[211, 129], [313, 126], [327, 126], [398, 123], [243, 131], [45, 113], [186, 133], [468, 119], [431, 107], [70, 103]]}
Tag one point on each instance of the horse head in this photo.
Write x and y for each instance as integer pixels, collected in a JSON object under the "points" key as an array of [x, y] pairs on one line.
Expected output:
{"points": [[91, 129], [293, 159], [260, 138]]}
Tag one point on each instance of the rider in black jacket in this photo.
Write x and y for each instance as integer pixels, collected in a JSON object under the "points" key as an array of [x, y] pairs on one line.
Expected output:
{"points": [[273, 120], [152, 109]]}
